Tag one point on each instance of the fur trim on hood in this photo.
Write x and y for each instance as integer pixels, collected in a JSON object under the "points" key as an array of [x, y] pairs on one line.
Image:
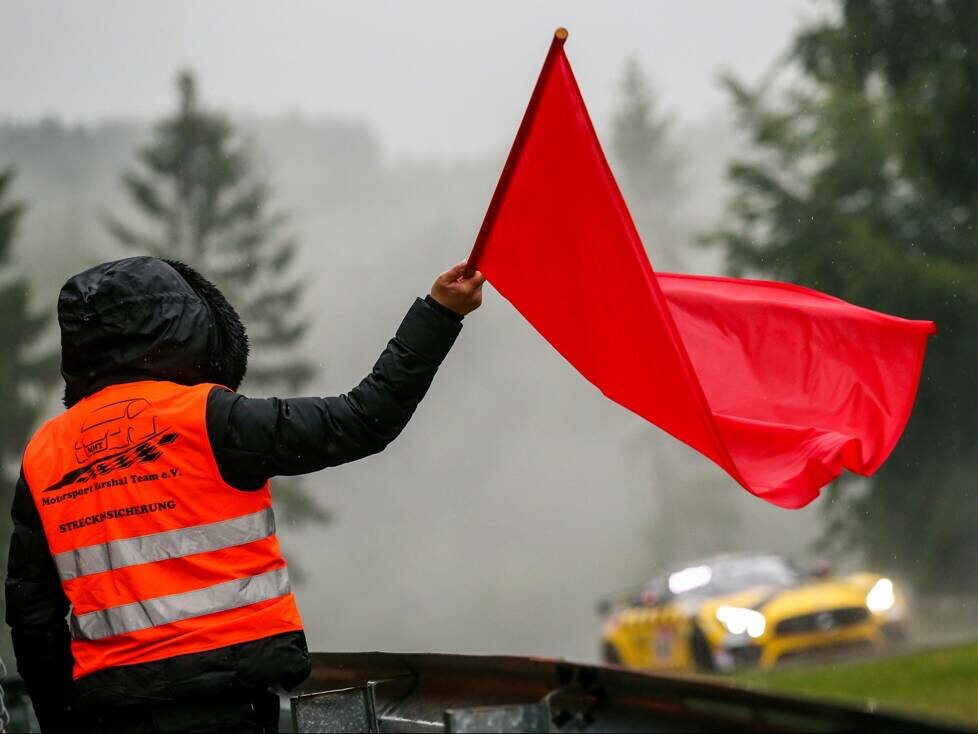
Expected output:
{"points": [[143, 318]]}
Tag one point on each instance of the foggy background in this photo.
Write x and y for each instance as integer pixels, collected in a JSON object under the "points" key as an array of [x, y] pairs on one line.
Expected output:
{"points": [[518, 495]]}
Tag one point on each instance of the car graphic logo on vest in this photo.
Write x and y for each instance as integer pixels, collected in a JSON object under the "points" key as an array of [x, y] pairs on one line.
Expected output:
{"points": [[126, 426], [114, 426]]}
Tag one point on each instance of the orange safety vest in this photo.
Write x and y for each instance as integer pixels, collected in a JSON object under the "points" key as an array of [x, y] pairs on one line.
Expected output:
{"points": [[158, 556]]}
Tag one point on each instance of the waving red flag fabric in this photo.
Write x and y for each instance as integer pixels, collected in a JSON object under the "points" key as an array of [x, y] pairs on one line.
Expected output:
{"points": [[779, 385]]}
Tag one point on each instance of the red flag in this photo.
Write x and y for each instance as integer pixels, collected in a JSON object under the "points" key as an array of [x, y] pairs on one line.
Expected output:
{"points": [[779, 385]]}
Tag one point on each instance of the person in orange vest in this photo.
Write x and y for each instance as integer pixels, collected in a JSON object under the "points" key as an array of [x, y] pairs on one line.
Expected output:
{"points": [[142, 513]]}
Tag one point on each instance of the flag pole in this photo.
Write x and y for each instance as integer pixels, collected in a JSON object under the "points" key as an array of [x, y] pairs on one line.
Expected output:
{"points": [[560, 35]]}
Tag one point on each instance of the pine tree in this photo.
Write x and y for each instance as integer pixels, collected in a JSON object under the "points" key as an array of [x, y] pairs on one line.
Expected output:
{"points": [[863, 182], [25, 373], [647, 167], [206, 208]]}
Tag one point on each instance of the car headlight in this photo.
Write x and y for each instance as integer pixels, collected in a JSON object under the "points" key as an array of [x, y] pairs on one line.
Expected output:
{"points": [[881, 597], [738, 620]]}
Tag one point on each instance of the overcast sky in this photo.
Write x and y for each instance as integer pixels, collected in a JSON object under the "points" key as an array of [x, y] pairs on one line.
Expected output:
{"points": [[432, 78]]}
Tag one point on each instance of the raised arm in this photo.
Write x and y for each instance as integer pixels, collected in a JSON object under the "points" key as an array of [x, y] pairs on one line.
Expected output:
{"points": [[255, 439]]}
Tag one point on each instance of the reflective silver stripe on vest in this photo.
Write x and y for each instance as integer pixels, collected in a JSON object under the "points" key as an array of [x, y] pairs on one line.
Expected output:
{"points": [[176, 607], [161, 546]]}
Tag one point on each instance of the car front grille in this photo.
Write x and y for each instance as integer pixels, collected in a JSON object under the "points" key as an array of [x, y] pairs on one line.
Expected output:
{"points": [[826, 621]]}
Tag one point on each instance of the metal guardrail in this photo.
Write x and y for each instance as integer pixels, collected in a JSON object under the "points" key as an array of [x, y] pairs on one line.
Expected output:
{"points": [[387, 692]]}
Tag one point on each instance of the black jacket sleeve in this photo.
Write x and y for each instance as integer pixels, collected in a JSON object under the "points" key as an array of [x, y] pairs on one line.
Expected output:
{"points": [[36, 611], [255, 439]]}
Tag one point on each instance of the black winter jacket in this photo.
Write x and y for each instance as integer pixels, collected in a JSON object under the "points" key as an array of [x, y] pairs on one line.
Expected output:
{"points": [[140, 319]]}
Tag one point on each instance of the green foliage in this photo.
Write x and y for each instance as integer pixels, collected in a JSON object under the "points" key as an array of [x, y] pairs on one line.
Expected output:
{"points": [[647, 167], [26, 373], [935, 683], [207, 208], [865, 185]]}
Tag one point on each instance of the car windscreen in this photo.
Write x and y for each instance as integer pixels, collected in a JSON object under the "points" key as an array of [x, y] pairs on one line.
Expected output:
{"points": [[732, 575]]}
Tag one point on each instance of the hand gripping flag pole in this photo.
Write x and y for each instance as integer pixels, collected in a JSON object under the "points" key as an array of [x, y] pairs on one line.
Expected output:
{"points": [[779, 385]]}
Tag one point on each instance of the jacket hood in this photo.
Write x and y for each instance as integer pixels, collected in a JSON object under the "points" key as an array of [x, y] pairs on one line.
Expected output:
{"points": [[143, 318]]}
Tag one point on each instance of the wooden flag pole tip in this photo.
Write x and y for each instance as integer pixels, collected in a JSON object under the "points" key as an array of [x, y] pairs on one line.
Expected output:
{"points": [[560, 34]]}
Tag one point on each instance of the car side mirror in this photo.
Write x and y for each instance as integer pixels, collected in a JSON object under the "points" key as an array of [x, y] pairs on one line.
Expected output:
{"points": [[822, 569]]}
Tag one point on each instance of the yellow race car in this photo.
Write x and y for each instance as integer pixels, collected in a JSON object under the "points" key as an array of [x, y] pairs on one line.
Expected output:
{"points": [[746, 610]]}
